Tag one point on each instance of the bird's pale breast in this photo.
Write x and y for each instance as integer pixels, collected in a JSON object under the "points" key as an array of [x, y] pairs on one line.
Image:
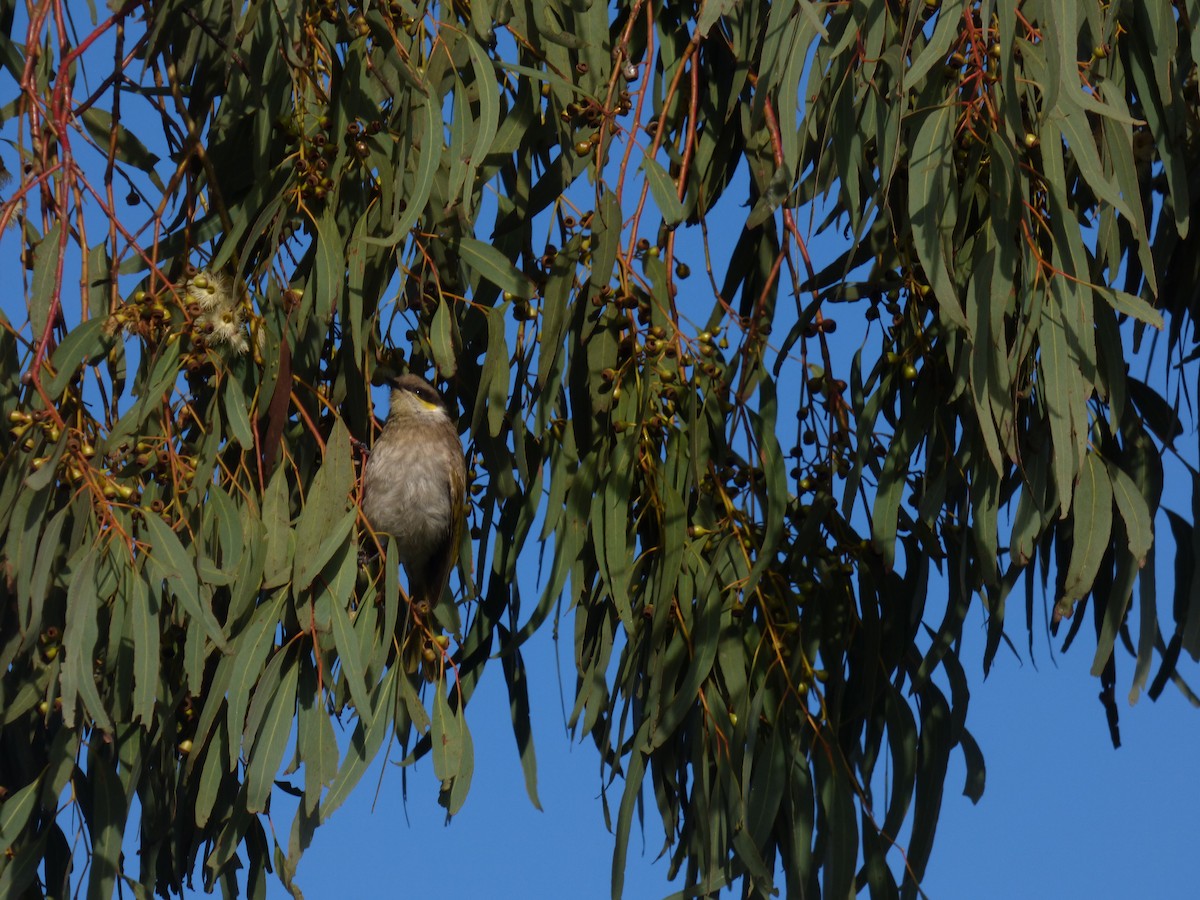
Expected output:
{"points": [[408, 495]]}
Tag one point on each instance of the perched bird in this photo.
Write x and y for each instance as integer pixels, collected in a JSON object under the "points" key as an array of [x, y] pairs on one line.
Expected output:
{"points": [[414, 486]]}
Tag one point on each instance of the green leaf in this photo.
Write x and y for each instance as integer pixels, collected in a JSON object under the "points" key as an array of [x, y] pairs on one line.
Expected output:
{"points": [[1033, 511], [841, 827], [325, 524], [46, 257], [1063, 28], [412, 704], [489, 263], [364, 743], [49, 552], [237, 415], [391, 606], [1134, 513], [280, 538], [441, 339], [325, 291], [515, 677], [453, 753], [168, 561], [1073, 122], [86, 342], [1159, 416], [902, 738], [665, 191], [99, 123], [772, 198], [1147, 627], [606, 239], [144, 627], [212, 776], [1113, 605], [1060, 394], [253, 645], [610, 532], [461, 783], [224, 541], [1092, 518], [42, 478], [934, 53], [493, 379], [316, 744], [16, 812], [447, 749], [710, 12], [346, 642], [556, 310], [79, 642], [932, 760], [892, 482], [987, 347], [705, 628], [766, 788], [486, 125], [357, 253], [107, 826], [932, 207], [775, 473], [427, 165], [1133, 306], [634, 773], [976, 769], [274, 708], [162, 374], [26, 530], [482, 16]]}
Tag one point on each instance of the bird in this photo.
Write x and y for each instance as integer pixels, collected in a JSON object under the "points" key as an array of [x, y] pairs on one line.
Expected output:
{"points": [[414, 486]]}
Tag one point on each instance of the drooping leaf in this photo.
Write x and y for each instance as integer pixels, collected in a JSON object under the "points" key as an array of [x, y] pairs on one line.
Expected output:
{"points": [[1092, 531], [494, 266]]}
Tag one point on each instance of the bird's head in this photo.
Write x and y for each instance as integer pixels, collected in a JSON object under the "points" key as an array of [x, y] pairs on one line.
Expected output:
{"points": [[415, 399]]}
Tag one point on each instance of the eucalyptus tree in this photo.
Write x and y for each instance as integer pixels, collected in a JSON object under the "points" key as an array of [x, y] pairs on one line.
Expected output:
{"points": [[590, 224]]}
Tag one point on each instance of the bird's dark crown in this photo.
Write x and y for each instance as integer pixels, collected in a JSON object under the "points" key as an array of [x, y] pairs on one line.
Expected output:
{"points": [[418, 386]]}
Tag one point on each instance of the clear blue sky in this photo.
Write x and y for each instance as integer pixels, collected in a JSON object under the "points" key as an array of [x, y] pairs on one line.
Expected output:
{"points": [[1064, 815]]}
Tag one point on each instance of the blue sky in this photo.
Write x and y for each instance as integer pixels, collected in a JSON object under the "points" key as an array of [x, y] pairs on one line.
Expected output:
{"points": [[1064, 815]]}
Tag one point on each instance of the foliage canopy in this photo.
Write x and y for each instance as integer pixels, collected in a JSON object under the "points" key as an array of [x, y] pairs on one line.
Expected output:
{"points": [[590, 223]]}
